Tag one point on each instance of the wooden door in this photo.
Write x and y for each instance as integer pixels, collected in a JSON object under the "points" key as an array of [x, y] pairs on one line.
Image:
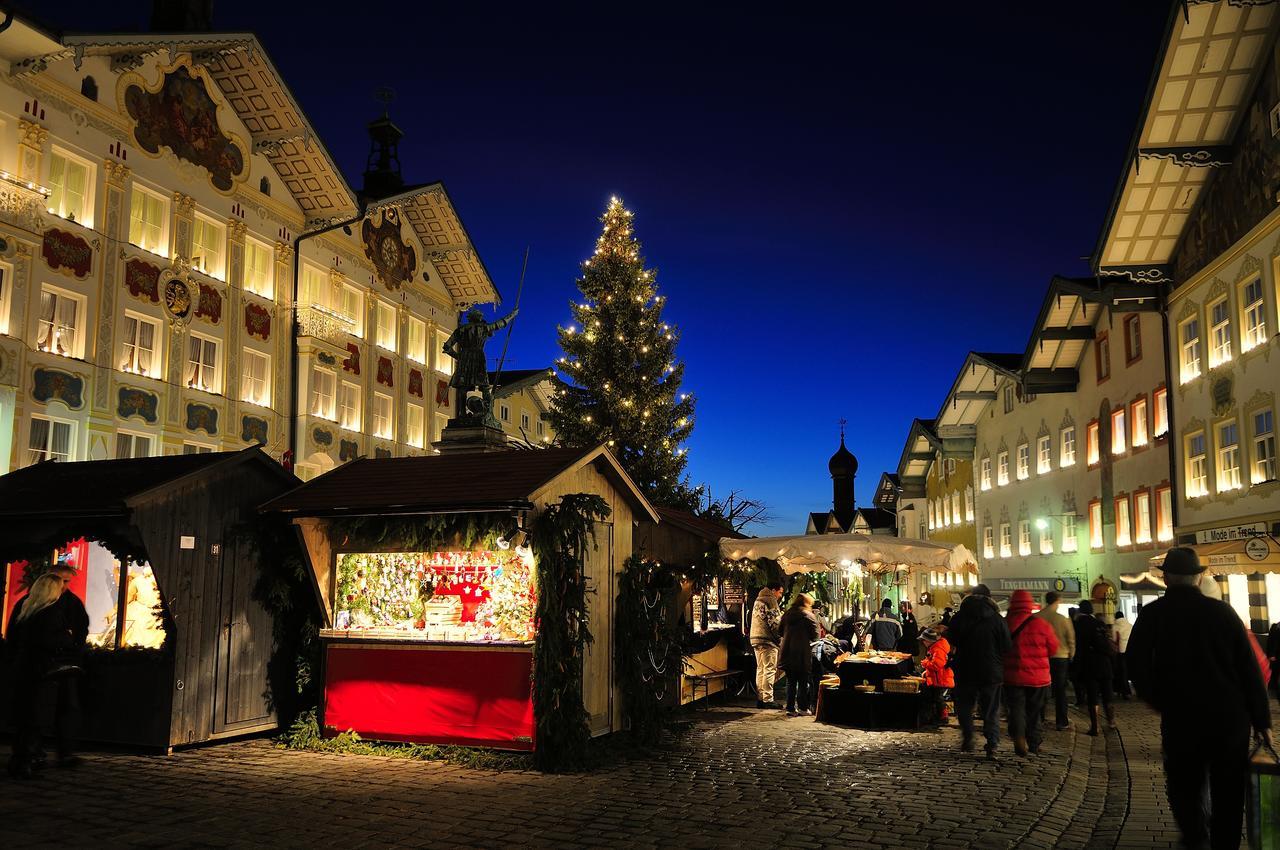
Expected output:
{"points": [[597, 679], [241, 700]]}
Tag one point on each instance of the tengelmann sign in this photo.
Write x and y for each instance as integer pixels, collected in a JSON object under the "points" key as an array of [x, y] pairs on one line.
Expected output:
{"points": [[1035, 585]]}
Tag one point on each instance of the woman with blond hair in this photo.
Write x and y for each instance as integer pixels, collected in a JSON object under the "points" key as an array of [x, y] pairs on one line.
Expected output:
{"points": [[43, 634], [799, 631]]}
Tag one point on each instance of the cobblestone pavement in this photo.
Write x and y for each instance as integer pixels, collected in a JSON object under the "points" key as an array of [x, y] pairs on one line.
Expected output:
{"points": [[737, 779]]}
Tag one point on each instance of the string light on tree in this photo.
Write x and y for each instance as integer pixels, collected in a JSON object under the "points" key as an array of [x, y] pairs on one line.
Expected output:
{"points": [[626, 366]]}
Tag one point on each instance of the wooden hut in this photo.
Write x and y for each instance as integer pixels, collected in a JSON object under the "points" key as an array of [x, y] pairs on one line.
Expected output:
{"points": [[166, 560], [416, 645]]}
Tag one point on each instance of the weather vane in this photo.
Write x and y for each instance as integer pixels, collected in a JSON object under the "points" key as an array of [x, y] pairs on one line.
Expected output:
{"points": [[843, 422], [384, 95]]}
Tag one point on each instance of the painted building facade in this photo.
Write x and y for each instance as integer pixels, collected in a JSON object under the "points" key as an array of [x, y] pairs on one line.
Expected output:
{"points": [[522, 401], [168, 217]]}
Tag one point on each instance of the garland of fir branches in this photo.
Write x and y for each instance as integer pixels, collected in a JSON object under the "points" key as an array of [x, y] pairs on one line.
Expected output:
{"points": [[561, 535], [647, 645]]}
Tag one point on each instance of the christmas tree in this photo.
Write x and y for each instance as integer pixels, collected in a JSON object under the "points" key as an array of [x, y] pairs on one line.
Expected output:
{"points": [[619, 378]]}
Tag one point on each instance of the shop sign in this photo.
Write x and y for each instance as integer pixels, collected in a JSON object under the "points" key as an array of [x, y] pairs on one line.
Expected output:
{"points": [[1232, 532], [1069, 586], [733, 594], [1257, 549]]}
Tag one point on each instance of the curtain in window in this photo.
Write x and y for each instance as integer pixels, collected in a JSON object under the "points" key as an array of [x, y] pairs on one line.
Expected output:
{"points": [[146, 336], [57, 180], [39, 443], [75, 188], [66, 335], [124, 445], [194, 363], [61, 448], [47, 305]]}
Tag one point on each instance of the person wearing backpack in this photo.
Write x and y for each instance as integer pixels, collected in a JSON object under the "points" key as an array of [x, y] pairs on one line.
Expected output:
{"points": [[1094, 650], [980, 638], [1026, 672]]}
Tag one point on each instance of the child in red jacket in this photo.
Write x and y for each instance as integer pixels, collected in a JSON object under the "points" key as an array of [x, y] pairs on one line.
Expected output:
{"points": [[937, 675]]}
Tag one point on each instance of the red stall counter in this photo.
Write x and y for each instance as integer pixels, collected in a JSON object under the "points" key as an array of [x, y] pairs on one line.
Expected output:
{"points": [[430, 693]]}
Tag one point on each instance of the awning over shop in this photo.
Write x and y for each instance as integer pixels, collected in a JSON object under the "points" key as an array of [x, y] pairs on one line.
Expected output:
{"points": [[878, 552], [1236, 557]]}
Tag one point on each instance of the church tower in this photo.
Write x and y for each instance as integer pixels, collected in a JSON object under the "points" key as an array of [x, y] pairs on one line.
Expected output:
{"points": [[844, 468]]}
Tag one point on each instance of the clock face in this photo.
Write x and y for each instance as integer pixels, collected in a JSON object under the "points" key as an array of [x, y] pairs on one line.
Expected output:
{"points": [[390, 252], [177, 298]]}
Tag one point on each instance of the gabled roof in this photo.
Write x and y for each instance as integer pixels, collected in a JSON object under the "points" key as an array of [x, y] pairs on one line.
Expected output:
{"points": [[921, 447], [431, 214], [447, 483], [973, 389], [823, 523], [514, 380], [878, 517], [1062, 332], [694, 524], [1199, 92], [102, 488]]}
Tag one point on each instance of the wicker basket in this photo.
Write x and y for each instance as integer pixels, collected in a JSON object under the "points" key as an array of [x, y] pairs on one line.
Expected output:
{"points": [[865, 689], [902, 686]]}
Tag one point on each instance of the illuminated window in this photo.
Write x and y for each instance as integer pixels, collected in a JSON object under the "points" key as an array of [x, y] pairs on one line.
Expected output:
{"points": [[1102, 356], [1117, 432], [1228, 472], [203, 365], [1238, 596], [71, 187], [61, 313], [1093, 453], [1132, 339], [1067, 453], [130, 445], [1190, 356], [437, 429], [259, 268], [1123, 526], [1197, 466], [349, 406], [417, 347], [314, 290], [1069, 533], [1160, 412], [968, 502], [352, 309], [1164, 514], [988, 542], [1046, 539], [1138, 423], [444, 363], [1006, 540], [6, 285], [413, 424], [985, 477], [386, 326], [138, 340], [1255, 322], [1095, 525], [255, 383], [955, 507], [1044, 454], [50, 439], [1002, 468], [932, 523], [323, 393], [1264, 449], [1024, 537], [1219, 333], [149, 221], [1024, 462], [1142, 517], [382, 424], [206, 246]]}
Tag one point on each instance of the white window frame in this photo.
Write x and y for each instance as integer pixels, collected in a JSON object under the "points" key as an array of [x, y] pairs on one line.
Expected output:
{"points": [[53, 329], [129, 351], [1197, 465], [1219, 332], [443, 362], [1164, 513], [1262, 455], [1190, 356], [1044, 454], [1024, 461], [46, 453], [1119, 437], [324, 393], [57, 205], [355, 318], [218, 268], [197, 448], [255, 389], [160, 245], [415, 423], [504, 412], [1069, 542], [1093, 443], [349, 405], [525, 422], [134, 437], [955, 508], [1006, 540], [985, 474], [259, 284], [1067, 447], [968, 503], [1253, 314], [988, 542], [1228, 473], [195, 374], [1046, 539], [1024, 537], [383, 416], [314, 287], [1002, 468], [416, 340], [385, 316], [1097, 539], [1138, 422], [1124, 521], [1142, 517], [1160, 412]]}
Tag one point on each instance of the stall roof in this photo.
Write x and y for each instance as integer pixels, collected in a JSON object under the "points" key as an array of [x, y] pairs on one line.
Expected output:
{"points": [[491, 481], [105, 487], [694, 524], [1246, 556], [808, 553]]}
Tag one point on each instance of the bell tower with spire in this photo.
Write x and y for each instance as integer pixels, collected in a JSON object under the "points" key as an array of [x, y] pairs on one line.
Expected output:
{"points": [[844, 468], [382, 177]]}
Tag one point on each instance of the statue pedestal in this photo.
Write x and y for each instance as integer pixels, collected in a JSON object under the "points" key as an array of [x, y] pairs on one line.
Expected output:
{"points": [[466, 438]]}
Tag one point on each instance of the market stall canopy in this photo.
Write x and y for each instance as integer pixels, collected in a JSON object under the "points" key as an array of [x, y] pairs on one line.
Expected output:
{"points": [[811, 552], [1236, 557]]}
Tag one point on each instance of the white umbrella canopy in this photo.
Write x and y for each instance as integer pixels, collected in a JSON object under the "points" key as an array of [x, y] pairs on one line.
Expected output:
{"points": [[806, 553]]}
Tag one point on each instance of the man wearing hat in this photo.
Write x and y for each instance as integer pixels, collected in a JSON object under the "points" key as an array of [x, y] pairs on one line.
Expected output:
{"points": [[1190, 659]]}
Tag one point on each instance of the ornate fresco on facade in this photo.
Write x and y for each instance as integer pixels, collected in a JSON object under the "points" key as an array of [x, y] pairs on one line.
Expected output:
{"points": [[178, 113], [321, 437], [351, 363], [202, 417], [385, 371], [1238, 195], [326, 358], [142, 280], [131, 401], [392, 256], [209, 303], [381, 453], [253, 430], [67, 251], [257, 321], [348, 450], [415, 382], [442, 393], [54, 384], [179, 296]]}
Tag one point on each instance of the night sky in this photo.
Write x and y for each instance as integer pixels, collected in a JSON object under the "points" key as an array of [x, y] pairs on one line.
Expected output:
{"points": [[839, 204]]}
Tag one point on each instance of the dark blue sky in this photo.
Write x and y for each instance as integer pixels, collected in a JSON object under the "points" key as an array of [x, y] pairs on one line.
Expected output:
{"points": [[840, 204]]}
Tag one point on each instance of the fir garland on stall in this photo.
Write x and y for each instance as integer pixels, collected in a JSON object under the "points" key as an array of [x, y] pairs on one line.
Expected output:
{"points": [[561, 535], [647, 645]]}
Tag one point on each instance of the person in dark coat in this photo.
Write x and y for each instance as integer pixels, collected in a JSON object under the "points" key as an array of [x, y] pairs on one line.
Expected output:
{"points": [[1093, 664], [47, 632], [799, 630], [1191, 661], [980, 638], [1273, 655], [910, 640], [885, 629]]}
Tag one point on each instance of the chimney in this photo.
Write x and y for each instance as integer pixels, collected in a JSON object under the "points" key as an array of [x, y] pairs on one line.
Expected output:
{"points": [[181, 15]]}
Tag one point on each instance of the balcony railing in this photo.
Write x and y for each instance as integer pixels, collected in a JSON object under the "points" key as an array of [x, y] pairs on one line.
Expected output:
{"points": [[323, 323]]}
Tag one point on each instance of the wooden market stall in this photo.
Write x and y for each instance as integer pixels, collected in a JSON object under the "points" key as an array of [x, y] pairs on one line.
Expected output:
{"points": [[715, 619], [166, 556], [425, 572]]}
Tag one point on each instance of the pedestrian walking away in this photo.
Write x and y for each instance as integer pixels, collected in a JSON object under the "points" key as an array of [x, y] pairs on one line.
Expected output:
{"points": [[1027, 675], [980, 638], [1190, 660], [1095, 672], [1060, 661], [1120, 630], [765, 641], [799, 632]]}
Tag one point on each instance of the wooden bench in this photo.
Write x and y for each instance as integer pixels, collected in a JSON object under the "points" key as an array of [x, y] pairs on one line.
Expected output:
{"points": [[705, 680]]}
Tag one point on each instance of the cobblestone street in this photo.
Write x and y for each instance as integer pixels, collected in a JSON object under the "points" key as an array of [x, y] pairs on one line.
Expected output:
{"points": [[737, 779]]}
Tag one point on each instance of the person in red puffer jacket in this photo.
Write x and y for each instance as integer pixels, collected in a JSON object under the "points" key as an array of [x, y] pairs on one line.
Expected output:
{"points": [[1026, 672]]}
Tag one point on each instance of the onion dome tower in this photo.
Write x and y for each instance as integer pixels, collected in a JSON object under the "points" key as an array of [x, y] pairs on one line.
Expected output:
{"points": [[844, 468]]}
